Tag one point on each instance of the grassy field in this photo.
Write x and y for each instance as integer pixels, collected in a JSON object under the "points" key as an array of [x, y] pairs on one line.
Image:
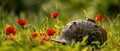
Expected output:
{"points": [[22, 41], [33, 34]]}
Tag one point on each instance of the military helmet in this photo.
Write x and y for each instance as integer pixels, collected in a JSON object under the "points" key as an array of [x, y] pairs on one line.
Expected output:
{"points": [[80, 28]]}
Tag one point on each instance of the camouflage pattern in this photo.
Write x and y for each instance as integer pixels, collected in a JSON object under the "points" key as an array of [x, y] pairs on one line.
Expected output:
{"points": [[78, 29]]}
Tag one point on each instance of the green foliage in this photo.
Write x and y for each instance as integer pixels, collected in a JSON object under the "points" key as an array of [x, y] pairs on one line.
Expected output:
{"points": [[112, 27], [68, 10]]}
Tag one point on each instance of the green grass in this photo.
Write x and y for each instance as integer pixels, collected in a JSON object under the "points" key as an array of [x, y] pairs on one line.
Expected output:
{"points": [[41, 25], [68, 11]]}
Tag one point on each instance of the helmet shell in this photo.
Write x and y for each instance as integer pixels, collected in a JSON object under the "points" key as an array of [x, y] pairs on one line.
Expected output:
{"points": [[78, 29]]}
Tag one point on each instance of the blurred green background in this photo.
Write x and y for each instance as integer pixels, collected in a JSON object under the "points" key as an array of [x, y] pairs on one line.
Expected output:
{"points": [[40, 10], [68, 8]]}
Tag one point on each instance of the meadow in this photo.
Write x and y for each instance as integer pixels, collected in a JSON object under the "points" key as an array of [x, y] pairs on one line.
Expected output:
{"points": [[34, 33], [22, 40]]}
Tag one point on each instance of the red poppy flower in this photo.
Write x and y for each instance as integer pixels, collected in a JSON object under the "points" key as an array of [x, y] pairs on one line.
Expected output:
{"points": [[22, 22], [10, 30], [44, 40], [10, 39], [105, 30], [34, 35], [51, 32], [54, 15], [99, 17], [47, 39]]}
